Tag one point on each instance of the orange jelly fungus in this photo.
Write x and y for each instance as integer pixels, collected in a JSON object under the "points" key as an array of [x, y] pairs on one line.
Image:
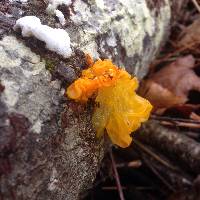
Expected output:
{"points": [[120, 110]]}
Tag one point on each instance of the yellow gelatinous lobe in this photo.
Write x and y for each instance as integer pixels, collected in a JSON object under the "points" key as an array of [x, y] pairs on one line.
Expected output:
{"points": [[120, 110]]}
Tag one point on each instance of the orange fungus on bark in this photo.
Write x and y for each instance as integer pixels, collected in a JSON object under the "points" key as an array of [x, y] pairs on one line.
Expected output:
{"points": [[120, 110]]}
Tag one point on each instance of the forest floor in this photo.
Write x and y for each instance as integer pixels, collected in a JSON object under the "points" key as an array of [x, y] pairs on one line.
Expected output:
{"points": [[173, 87]]}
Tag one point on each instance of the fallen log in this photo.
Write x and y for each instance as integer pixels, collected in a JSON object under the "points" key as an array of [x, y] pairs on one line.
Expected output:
{"points": [[178, 147]]}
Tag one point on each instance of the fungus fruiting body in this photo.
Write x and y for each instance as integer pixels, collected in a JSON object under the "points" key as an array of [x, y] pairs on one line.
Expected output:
{"points": [[120, 110], [52, 9], [56, 39], [101, 74]]}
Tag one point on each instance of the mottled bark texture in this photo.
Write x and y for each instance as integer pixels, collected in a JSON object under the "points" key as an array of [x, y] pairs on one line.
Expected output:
{"points": [[181, 149], [48, 148]]}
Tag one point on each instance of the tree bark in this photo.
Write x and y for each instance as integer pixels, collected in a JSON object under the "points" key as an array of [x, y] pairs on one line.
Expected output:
{"points": [[48, 148], [176, 146]]}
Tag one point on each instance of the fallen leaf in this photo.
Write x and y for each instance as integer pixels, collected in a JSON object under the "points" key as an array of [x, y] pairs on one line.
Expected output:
{"points": [[159, 96], [170, 86], [190, 35]]}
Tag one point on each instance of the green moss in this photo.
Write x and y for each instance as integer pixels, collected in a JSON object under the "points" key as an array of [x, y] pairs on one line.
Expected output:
{"points": [[50, 65]]}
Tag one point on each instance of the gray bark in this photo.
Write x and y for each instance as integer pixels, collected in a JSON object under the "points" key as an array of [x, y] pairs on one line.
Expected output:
{"points": [[179, 148], [48, 148]]}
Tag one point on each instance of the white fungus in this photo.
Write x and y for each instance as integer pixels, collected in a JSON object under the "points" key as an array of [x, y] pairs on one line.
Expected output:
{"points": [[52, 9], [53, 4], [56, 40], [60, 16]]}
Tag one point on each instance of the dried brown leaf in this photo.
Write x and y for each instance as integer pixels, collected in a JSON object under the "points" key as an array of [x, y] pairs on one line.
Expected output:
{"points": [[190, 35], [170, 86], [159, 96]]}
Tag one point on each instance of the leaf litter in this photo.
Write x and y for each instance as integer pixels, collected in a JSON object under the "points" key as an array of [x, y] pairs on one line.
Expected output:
{"points": [[175, 76]]}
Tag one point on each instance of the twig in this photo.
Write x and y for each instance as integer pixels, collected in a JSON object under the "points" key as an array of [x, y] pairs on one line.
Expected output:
{"points": [[172, 119], [196, 5], [132, 164], [112, 188], [153, 169], [148, 151], [169, 55], [119, 187], [125, 188], [182, 124]]}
